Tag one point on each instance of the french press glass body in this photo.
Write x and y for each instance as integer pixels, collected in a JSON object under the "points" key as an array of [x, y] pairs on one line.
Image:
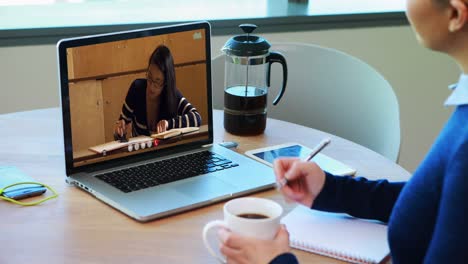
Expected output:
{"points": [[247, 79]]}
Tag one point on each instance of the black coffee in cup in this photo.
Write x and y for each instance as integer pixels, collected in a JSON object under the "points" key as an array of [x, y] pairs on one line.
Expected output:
{"points": [[252, 216]]}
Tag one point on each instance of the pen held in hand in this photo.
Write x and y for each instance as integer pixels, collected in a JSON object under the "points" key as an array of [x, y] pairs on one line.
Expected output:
{"points": [[283, 182]]}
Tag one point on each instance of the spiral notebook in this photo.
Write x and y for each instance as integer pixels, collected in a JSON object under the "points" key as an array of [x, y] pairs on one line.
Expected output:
{"points": [[337, 235]]}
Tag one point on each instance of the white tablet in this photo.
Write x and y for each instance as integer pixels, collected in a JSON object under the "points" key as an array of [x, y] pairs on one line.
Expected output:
{"points": [[269, 154]]}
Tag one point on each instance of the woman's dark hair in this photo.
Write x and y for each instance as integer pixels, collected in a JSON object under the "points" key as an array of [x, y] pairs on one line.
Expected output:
{"points": [[162, 58]]}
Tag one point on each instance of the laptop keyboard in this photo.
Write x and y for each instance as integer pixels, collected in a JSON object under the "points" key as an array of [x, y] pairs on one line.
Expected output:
{"points": [[165, 171]]}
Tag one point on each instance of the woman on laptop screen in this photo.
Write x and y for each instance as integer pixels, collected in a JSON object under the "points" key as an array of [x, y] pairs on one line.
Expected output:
{"points": [[154, 105]]}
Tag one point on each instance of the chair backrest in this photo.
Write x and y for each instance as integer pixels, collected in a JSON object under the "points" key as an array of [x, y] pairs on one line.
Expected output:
{"points": [[331, 91]]}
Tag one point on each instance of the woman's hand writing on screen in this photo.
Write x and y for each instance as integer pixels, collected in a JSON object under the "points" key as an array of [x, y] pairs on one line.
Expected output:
{"points": [[120, 128], [305, 180], [161, 126]]}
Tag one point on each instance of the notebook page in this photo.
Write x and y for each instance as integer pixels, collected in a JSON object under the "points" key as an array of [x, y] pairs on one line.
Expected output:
{"points": [[337, 235]]}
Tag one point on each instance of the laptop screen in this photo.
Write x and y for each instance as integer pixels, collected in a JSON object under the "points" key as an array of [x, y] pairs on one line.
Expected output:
{"points": [[135, 93]]}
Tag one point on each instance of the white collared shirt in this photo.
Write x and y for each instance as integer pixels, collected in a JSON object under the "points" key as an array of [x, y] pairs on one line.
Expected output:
{"points": [[459, 94]]}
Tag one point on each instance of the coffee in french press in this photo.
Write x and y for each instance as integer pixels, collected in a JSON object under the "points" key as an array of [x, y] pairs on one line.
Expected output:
{"points": [[247, 79]]}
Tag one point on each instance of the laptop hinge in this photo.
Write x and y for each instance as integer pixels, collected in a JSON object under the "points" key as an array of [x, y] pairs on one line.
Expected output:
{"points": [[207, 145]]}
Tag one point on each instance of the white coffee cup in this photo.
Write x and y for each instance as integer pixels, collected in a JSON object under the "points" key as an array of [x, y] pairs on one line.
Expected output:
{"points": [[238, 215]]}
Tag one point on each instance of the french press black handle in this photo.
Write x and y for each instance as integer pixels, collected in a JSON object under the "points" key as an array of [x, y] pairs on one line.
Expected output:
{"points": [[277, 57]]}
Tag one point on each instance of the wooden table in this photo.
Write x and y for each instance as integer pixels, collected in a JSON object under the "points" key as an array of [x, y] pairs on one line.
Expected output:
{"points": [[77, 228]]}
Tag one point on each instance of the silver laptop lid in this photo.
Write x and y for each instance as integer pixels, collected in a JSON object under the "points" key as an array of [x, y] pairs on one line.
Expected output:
{"points": [[134, 81]]}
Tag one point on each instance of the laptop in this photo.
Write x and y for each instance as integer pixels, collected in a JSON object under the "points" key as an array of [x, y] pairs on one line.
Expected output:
{"points": [[142, 175]]}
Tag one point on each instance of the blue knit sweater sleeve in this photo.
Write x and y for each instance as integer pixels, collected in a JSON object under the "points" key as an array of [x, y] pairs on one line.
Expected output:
{"points": [[358, 197], [286, 258]]}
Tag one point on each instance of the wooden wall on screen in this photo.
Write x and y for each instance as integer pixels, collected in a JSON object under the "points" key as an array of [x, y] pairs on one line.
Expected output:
{"points": [[86, 113]]}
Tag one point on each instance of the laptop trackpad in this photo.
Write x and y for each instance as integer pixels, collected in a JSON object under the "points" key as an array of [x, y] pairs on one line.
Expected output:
{"points": [[205, 187]]}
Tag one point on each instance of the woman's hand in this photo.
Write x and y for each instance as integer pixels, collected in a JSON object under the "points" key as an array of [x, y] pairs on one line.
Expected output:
{"points": [[120, 128], [242, 250], [161, 126], [305, 179]]}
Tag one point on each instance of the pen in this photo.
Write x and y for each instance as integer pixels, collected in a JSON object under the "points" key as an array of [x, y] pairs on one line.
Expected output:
{"points": [[283, 182]]}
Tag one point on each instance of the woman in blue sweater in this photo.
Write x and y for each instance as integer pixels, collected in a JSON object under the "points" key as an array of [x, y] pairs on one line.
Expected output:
{"points": [[427, 216]]}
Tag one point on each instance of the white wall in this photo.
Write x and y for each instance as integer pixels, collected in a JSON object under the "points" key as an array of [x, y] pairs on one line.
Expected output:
{"points": [[28, 78], [419, 77]]}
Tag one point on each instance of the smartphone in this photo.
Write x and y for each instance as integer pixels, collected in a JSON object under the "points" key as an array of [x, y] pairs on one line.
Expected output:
{"points": [[10, 175], [24, 192]]}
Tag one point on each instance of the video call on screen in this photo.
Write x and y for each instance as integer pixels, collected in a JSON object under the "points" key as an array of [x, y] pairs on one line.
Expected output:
{"points": [[100, 76]]}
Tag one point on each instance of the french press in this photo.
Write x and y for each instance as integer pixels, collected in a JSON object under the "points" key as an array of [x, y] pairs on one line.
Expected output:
{"points": [[247, 79]]}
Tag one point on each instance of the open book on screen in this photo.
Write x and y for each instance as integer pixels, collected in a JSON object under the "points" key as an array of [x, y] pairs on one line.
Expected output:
{"points": [[174, 132]]}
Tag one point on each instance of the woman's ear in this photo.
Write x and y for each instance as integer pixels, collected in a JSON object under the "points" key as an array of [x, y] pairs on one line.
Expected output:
{"points": [[458, 16]]}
